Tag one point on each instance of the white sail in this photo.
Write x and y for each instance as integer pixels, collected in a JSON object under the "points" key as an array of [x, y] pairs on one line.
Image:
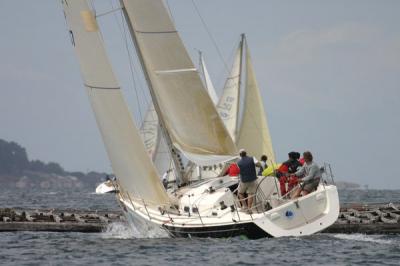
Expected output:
{"points": [[149, 132], [228, 105], [187, 112], [130, 163], [162, 159], [254, 132], [209, 85]]}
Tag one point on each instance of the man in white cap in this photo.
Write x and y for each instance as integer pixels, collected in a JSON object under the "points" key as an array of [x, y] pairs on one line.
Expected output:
{"points": [[248, 179]]}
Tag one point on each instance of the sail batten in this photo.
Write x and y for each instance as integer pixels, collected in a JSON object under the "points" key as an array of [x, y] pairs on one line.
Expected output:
{"points": [[125, 149], [183, 105], [170, 71], [102, 88]]}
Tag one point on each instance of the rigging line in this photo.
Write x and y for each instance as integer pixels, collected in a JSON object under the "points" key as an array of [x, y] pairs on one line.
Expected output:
{"points": [[130, 64], [139, 81], [210, 35], [91, 4]]}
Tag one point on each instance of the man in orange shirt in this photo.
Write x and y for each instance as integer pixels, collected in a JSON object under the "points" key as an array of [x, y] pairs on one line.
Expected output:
{"points": [[286, 170], [233, 170]]}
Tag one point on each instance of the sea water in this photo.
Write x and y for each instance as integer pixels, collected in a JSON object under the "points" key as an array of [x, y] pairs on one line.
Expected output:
{"points": [[121, 245]]}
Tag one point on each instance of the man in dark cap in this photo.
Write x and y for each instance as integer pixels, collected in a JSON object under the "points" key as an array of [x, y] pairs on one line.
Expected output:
{"points": [[262, 164], [248, 179], [286, 170]]}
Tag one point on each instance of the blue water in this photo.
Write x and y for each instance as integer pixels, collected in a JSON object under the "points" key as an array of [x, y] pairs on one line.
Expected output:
{"points": [[119, 245]]}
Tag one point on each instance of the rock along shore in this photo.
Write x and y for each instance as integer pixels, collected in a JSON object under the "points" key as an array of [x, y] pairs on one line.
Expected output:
{"points": [[353, 218]]}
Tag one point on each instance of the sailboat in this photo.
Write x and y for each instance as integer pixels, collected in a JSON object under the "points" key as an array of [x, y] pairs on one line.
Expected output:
{"points": [[192, 128]]}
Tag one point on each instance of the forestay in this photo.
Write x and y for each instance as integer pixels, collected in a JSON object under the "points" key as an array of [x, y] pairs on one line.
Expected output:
{"points": [[130, 163], [187, 110], [228, 105], [254, 132]]}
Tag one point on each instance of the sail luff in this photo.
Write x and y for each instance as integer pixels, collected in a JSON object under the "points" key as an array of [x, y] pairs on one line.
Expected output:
{"points": [[207, 80], [254, 134], [125, 149], [181, 101]]}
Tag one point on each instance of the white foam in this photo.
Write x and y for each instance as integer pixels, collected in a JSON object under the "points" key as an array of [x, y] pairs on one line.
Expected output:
{"points": [[50, 193], [363, 238], [120, 230]]}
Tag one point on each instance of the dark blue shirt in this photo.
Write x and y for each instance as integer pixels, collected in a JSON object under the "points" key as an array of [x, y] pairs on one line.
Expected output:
{"points": [[247, 169]]}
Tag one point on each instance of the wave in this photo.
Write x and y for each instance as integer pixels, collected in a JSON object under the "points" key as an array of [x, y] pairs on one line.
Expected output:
{"points": [[363, 238], [120, 230]]}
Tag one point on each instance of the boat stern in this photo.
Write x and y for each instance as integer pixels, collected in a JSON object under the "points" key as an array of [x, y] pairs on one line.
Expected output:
{"points": [[305, 216]]}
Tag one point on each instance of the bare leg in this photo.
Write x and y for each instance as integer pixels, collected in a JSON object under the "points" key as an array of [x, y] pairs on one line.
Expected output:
{"points": [[297, 193], [242, 200], [304, 193], [250, 201]]}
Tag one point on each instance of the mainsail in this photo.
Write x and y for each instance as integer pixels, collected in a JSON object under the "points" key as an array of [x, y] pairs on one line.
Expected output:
{"points": [[207, 80], [228, 105], [181, 101], [130, 163], [254, 135]]}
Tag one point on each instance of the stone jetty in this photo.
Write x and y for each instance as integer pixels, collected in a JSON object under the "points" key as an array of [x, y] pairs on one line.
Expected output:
{"points": [[353, 218], [51, 220], [367, 219]]}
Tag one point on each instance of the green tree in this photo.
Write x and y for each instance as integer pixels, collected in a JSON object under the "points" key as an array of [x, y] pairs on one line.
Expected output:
{"points": [[13, 158]]}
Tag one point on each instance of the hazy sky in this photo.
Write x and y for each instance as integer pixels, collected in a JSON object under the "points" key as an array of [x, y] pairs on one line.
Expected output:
{"points": [[329, 72]]}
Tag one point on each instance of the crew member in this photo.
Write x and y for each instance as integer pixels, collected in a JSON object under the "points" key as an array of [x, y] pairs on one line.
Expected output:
{"points": [[311, 175], [164, 178], [248, 179], [262, 164], [233, 170], [286, 171]]}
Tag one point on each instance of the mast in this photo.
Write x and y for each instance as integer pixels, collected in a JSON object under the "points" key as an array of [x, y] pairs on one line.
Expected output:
{"points": [[176, 157], [239, 124], [202, 68]]}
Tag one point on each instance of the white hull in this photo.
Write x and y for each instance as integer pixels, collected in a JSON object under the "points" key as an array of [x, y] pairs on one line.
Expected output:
{"points": [[304, 216], [105, 187]]}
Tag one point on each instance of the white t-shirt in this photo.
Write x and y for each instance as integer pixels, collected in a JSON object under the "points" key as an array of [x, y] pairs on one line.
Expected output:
{"points": [[164, 177], [255, 160]]}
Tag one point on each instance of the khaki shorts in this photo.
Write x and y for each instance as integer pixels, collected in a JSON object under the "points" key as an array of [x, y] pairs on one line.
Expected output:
{"points": [[248, 187], [311, 185]]}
